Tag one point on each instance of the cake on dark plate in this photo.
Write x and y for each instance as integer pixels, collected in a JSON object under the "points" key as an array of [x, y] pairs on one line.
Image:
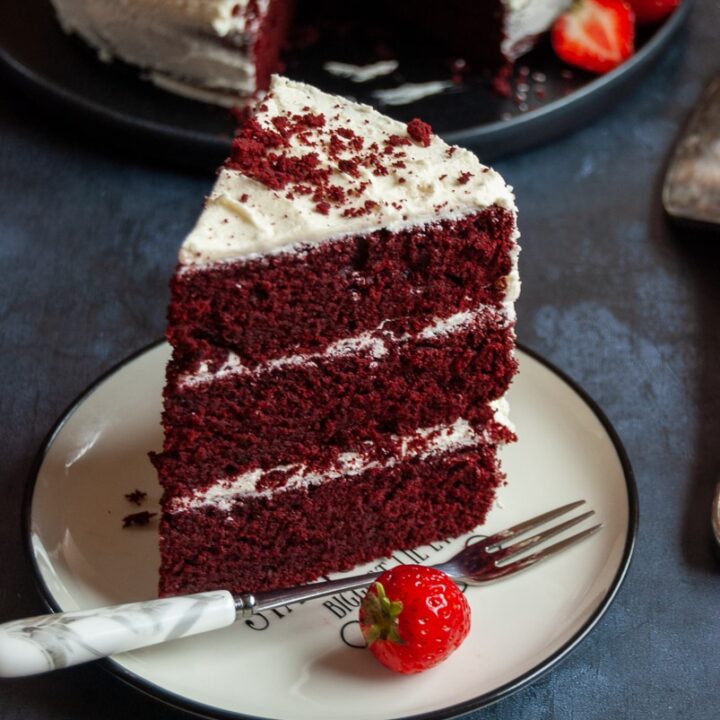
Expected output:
{"points": [[218, 51], [223, 51], [342, 325]]}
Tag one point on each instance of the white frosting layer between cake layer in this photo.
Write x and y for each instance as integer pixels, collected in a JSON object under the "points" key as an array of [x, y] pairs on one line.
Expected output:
{"points": [[424, 443], [374, 343], [245, 218], [183, 44]]}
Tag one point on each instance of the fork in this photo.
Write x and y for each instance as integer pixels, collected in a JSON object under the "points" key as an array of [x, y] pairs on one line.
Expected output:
{"points": [[49, 642]]}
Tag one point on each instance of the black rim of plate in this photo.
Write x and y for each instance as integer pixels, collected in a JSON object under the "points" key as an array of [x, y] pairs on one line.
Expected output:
{"points": [[208, 711], [490, 140]]}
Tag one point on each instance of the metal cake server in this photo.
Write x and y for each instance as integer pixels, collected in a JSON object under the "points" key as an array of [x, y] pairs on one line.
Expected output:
{"points": [[691, 191], [49, 642]]}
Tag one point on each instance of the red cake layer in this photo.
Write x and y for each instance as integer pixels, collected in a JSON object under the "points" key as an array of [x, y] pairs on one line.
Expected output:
{"points": [[299, 302], [309, 412], [271, 39], [299, 535]]}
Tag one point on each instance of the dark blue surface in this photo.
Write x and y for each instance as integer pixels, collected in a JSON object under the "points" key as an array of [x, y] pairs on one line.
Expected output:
{"points": [[612, 294]]}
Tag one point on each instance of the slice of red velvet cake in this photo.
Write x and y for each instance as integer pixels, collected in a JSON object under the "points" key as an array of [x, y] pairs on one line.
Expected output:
{"points": [[342, 326]]}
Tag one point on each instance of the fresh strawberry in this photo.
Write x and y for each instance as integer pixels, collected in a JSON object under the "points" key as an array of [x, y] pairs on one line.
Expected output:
{"points": [[413, 617], [595, 35], [650, 11]]}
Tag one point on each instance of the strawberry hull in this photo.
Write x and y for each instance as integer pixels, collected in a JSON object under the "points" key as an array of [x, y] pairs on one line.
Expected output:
{"points": [[414, 618]]}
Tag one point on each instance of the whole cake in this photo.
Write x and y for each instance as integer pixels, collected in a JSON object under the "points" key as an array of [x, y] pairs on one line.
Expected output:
{"points": [[342, 324], [222, 51]]}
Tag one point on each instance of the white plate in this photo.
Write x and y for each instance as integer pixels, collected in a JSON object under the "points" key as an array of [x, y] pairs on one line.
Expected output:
{"points": [[304, 663]]}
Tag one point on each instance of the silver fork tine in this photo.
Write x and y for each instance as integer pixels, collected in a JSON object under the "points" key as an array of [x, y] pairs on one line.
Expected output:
{"points": [[510, 551], [527, 525], [517, 565]]}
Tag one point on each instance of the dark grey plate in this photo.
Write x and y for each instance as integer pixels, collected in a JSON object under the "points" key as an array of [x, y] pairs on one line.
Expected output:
{"points": [[67, 78]]}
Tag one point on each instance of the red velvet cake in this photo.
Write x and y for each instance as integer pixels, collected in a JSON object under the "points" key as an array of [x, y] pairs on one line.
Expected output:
{"points": [[342, 324], [223, 51], [218, 51]]}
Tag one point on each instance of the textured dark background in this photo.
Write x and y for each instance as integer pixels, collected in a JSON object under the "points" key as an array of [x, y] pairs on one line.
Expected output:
{"points": [[612, 293]]}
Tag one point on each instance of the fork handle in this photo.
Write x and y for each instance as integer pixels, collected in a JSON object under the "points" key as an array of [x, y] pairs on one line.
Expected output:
{"points": [[49, 642]]}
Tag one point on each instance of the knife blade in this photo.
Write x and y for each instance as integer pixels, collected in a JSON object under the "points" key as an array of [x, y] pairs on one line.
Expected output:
{"points": [[691, 191]]}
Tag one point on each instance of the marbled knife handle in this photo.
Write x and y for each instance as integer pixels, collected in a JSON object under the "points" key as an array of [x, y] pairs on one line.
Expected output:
{"points": [[48, 642]]}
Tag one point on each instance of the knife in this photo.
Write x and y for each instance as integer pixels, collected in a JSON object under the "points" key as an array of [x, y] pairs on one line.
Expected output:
{"points": [[691, 192]]}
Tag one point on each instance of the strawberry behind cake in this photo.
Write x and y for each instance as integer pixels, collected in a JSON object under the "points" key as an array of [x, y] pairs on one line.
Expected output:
{"points": [[342, 325]]}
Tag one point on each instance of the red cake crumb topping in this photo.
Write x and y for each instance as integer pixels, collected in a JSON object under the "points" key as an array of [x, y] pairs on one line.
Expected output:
{"points": [[464, 177], [269, 154], [394, 141], [138, 519], [349, 166], [356, 141], [367, 207], [420, 131]]}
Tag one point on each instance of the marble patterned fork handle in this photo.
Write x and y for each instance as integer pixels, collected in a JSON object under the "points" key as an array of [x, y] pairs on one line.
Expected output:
{"points": [[48, 642]]}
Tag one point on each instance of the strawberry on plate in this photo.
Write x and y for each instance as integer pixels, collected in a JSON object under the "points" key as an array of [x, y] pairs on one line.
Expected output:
{"points": [[414, 617], [595, 35], [650, 11]]}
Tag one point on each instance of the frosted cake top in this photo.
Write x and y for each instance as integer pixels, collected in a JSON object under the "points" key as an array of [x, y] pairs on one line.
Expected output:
{"points": [[309, 167]]}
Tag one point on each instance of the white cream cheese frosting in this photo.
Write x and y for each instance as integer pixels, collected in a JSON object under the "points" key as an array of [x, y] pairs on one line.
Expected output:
{"points": [[417, 184], [193, 47]]}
